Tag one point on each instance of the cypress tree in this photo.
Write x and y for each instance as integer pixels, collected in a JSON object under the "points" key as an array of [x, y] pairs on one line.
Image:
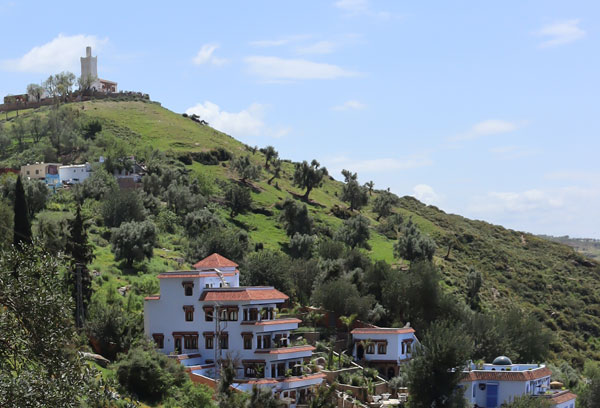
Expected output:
{"points": [[22, 228], [81, 254]]}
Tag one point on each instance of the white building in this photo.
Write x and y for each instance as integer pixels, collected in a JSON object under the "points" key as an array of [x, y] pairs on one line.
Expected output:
{"points": [[492, 385], [204, 316], [74, 173], [384, 348], [89, 69]]}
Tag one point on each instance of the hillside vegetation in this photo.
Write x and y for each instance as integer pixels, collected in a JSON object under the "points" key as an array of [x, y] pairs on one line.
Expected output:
{"points": [[550, 280]]}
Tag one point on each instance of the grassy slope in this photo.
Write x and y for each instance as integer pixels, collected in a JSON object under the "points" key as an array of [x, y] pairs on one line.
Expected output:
{"points": [[548, 278]]}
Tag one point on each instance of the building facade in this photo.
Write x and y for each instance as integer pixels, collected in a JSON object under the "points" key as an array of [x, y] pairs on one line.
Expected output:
{"points": [[40, 171], [491, 385], [384, 348], [204, 316], [74, 173], [89, 70]]}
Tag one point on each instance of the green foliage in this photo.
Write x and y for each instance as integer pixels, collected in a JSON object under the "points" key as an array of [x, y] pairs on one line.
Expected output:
{"points": [[342, 297], [197, 222], [413, 246], [474, 282], [245, 169], [354, 193], [182, 200], [436, 368], [37, 194], [267, 268], [51, 231], [148, 374], [529, 401], [98, 185], [263, 398], [324, 397], [383, 204], [271, 155], [229, 242], [6, 224], [92, 128], [111, 330], [227, 397], [238, 199], [38, 363], [354, 232], [190, 395], [301, 245], [122, 206], [22, 228], [309, 176], [295, 218], [133, 241]]}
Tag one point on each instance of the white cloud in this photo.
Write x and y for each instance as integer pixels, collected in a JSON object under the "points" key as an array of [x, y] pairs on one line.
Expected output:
{"points": [[350, 105], [320, 47], [360, 7], [426, 194], [60, 54], [275, 68], [205, 56], [487, 128], [560, 33], [377, 165], [247, 122], [279, 41]]}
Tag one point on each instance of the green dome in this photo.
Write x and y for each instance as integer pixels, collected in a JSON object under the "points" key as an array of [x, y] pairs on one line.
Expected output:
{"points": [[502, 360]]}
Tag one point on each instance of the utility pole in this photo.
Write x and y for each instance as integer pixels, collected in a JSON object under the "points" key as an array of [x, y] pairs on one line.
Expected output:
{"points": [[79, 298]]}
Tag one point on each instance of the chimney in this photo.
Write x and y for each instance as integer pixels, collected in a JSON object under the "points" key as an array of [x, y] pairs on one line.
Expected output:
{"points": [[88, 51]]}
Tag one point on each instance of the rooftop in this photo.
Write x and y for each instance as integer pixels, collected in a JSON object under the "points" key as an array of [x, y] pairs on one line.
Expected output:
{"points": [[205, 273], [383, 330], [506, 375], [215, 261], [242, 293]]}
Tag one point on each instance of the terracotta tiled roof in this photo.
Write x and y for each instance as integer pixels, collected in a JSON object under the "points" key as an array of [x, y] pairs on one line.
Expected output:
{"points": [[215, 261], [489, 375], [286, 350], [276, 321], [287, 380], [193, 274], [250, 293], [154, 297], [561, 397], [383, 330]]}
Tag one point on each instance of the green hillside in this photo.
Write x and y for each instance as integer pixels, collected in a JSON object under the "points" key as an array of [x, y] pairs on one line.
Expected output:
{"points": [[551, 280]]}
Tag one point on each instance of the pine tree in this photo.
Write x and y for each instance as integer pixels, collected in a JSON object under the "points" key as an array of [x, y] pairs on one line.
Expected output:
{"points": [[22, 228], [81, 253]]}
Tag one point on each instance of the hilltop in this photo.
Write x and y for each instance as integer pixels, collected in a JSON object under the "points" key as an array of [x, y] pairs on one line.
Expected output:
{"points": [[549, 279]]}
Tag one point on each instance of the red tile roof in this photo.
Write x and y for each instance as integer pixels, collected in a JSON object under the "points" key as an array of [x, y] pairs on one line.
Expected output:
{"points": [[215, 261], [193, 274], [286, 380], [561, 397], [276, 321], [250, 293], [286, 350], [383, 330], [155, 297], [488, 375]]}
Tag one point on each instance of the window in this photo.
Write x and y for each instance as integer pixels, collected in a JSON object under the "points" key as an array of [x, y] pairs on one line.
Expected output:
{"points": [[247, 342], [37, 172], [159, 339], [233, 315], [370, 349], [208, 314], [382, 348], [223, 315], [208, 342], [190, 342], [189, 313], [266, 342], [245, 315], [224, 341], [188, 288]]}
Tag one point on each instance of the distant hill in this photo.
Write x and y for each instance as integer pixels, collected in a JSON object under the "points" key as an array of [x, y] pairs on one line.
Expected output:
{"points": [[589, 247], [560, 285]]}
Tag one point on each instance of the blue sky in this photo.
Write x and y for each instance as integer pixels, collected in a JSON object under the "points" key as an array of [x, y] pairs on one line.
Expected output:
{"points": [[485, 109]]}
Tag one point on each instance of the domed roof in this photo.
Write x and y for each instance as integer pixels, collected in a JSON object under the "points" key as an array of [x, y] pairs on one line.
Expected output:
{"points": [[502, 360]]}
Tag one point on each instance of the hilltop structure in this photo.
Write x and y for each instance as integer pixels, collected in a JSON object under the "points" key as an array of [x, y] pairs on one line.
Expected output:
{"points": [[203, 316], [89, 74]]}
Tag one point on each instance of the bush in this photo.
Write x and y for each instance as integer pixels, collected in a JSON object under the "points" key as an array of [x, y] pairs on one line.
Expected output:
{"points": [[133, 241], [122, 206], [148, 374], [230, 243], [301, 245]]}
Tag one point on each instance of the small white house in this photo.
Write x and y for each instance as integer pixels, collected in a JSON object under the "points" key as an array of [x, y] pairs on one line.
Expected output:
{"points": [[74, 173], [492, 385], [203, 316], [384, 348]]}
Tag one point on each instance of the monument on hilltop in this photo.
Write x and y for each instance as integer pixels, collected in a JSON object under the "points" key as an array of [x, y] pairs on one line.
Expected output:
{"points": [[89, 75]]}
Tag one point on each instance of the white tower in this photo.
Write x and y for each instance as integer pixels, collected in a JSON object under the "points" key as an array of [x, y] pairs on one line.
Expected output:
{"points": [[89, 65]]}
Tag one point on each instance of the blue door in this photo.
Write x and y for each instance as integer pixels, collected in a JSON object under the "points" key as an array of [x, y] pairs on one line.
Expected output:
{"points": [[491, 396]]}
